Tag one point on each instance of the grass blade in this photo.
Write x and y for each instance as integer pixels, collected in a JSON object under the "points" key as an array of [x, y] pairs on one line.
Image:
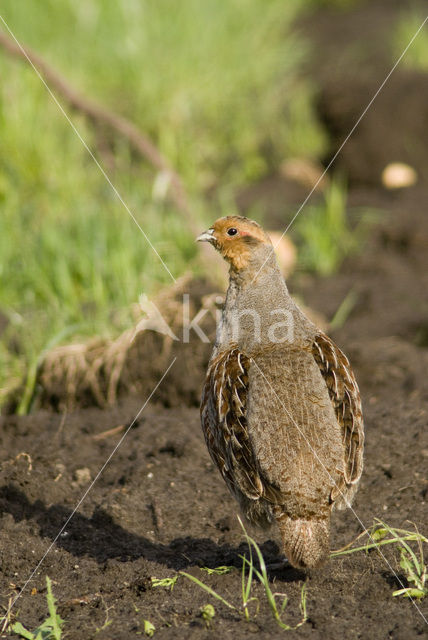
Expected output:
{"points": [[208, 589], [55, 619]]}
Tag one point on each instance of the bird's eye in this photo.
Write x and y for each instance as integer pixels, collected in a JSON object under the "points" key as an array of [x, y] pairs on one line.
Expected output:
{"points": [[232, 231]]}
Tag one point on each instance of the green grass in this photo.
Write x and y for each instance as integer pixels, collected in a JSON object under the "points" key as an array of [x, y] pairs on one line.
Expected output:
{"points": [[324, 232], [277, 611], [212, 83], [219, 89], [248, 571], [417, 55], [411, 561], [338, 4]]}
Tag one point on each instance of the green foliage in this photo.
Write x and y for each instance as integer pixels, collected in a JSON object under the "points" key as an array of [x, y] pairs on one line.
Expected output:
{"points": [[219, 571], [417, 55], [415, 571], [411, 562], [209, 81], [208, 613], [208, 589], [248, 570], [324, 234], [344, 310], [50, 629], [217, 86], [167, 583], [336, 4], [149, 628], [261, 574]]}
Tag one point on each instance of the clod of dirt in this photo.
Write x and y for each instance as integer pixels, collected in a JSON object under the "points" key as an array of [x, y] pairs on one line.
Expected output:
{"points": [[99, 371], [82, 477]]}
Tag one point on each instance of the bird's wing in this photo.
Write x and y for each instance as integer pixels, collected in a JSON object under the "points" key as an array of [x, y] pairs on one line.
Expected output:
{"points": [[224, 423], [345, 397]]}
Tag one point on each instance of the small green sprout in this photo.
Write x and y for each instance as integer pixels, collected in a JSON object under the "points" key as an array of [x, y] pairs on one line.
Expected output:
{"points": [[149, 628], [208, 613], [247, 582], [218, 571], [264, 580], [416, 572], [413, 566], [167, 583], [50, 629]]}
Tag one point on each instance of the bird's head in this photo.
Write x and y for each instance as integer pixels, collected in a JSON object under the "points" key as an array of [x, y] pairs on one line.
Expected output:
{"points": [[237, 239]]}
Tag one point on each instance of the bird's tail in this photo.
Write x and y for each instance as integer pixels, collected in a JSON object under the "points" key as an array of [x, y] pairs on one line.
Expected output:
{"points": [[306, 543]]}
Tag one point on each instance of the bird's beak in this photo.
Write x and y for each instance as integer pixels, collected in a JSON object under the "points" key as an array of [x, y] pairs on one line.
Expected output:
{"points": [[206, 236]]}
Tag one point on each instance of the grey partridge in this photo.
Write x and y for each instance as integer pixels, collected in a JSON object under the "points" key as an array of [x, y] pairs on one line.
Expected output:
{"points": [[280, 410]]}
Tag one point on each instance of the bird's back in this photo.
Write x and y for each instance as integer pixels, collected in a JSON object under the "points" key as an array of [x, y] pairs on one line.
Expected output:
{"points": [[293, 429]]}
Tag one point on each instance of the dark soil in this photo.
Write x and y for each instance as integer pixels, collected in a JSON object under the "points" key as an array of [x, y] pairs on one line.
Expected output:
{"points": [[354, 55], [159, 506]]}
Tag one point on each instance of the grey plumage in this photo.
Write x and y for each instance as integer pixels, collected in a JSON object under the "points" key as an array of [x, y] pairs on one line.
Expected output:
{"points": [[280, 409]]}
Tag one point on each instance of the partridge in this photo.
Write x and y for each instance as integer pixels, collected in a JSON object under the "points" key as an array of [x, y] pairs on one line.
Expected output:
{"points": [[280, 409]]}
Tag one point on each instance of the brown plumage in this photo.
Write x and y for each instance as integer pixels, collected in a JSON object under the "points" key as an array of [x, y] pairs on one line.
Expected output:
{"points": [[280, 409]]}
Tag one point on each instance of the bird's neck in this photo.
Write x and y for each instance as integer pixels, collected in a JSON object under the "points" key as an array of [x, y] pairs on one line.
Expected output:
{"points": [[258, 310], [261, 262]]}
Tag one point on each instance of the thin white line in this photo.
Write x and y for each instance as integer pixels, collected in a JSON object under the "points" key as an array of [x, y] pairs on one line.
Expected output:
{"points": [[334, 483], [342, 145], [88, 489], [60, 107]]}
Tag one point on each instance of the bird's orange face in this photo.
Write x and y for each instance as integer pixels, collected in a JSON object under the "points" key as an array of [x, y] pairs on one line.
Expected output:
{"points": [[235, 237]]}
